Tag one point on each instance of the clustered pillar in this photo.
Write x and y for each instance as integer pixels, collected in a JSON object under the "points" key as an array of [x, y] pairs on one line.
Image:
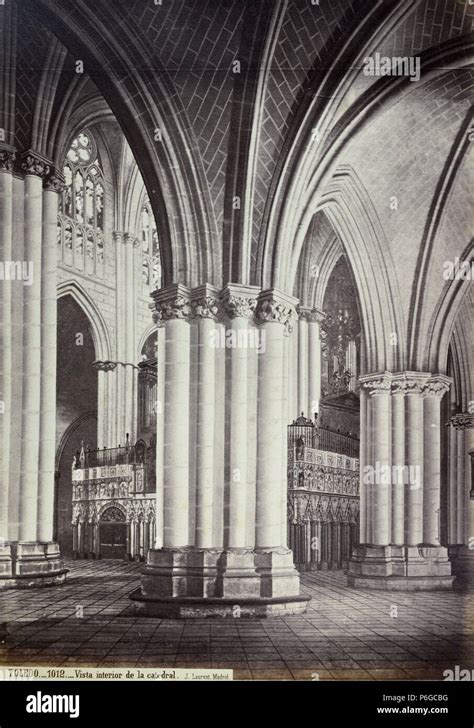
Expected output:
{"points": [[461, 494], [401, 484], [221, 545], [29, 202]]}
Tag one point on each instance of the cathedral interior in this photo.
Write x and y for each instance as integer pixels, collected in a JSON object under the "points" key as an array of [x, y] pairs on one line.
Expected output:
{"points": [[236, 336]]}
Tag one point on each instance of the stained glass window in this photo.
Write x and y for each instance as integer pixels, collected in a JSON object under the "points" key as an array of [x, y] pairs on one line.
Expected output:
{"points": [[151, 264], [81, 208]]}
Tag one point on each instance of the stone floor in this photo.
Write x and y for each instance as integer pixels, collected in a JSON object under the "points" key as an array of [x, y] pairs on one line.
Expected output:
{"points": [[346, 634]]}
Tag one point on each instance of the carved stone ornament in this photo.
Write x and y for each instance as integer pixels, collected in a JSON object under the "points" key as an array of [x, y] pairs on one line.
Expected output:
{"points": [[206, 307], [377, 383], [54, 182], [7, 160], [240, 306], [273, 309], [463, 421], [312, 315], [32, 164], [177, 306], [104, 366]]}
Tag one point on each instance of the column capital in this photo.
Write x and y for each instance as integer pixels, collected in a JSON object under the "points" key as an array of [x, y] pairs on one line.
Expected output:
{"points": [[239, 301], [378, 383], [117, 236], [311, 315], [54, 181], [205, 302], [409, 382], [104, 366], [35, 164], [274, 306], [7, 158], [462, 421], [172, 302], [437, 386], [130, 239]]}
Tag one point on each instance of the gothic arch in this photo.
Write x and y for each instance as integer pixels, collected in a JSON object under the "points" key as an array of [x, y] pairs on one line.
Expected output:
{"points": [[170, 166], [151, 329], [447, 315], [449, 298], [353, 217], [112, 505], [314, 148], [75, 424], [100, 334]]}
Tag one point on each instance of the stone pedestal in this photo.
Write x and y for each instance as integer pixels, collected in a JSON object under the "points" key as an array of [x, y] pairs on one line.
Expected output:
{"points": [[400, 568], [31, 564]]}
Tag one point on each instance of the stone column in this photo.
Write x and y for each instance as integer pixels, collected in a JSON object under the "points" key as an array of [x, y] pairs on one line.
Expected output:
{"points": [[130, 354], [206, 309], [315, 319], [414, 384], [239, 303], [400, 441], [303, 362], [7, 157], [46, 484], [398, 463], [275, 311], [238, 575], [34, 169], [433, 393], [105, 397], [379, 476], [461, 495]]}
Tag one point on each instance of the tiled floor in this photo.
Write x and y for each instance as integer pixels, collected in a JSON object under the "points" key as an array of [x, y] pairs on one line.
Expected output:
{"points": [[345, 634]]}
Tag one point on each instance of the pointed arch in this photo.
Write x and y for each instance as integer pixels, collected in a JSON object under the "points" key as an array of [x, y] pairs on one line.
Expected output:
{"points": [[155, 123], [349, 208], [417, 324], [100, 334], [447, 314]]}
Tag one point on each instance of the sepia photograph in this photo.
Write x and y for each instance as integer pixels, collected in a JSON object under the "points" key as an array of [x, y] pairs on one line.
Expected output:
{"points": [[236, 351]]}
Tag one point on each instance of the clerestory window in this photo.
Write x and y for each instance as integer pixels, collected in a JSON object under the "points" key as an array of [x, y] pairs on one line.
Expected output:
{"points": [[81, 208]]}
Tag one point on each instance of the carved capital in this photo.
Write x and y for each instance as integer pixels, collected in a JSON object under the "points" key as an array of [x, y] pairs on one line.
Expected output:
{"points": [[409, 382], [173, 302], [33, 163], [437, 386], [117, 236], [7, 159], [311, 315], [205, 302], [54, 181], [374, 384], [276, 307], [104, 366], [463, 421], [130, 239], [239, 301]]}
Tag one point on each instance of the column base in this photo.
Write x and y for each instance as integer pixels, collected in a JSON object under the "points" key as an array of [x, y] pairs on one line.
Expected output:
{"points": [[196, 583], [400, 568], [31, 564], [462, 561]]}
